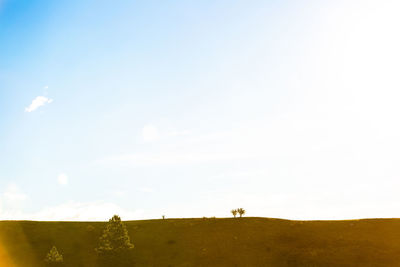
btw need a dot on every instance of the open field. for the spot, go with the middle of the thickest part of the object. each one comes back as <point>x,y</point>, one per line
<point>212,242</point>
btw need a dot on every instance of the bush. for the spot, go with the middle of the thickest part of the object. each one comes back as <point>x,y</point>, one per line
<point>115,246</point>
<point>54,258</point>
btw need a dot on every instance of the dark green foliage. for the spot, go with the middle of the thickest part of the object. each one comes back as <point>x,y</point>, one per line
<point>54,258</point>
<point>115,246</point>
<point>115,237</point>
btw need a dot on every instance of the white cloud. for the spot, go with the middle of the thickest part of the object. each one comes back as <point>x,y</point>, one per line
<point>85,211</point>
<point>179,133</point>
<point>210,148</point>
<point>118,193</point>
<point>146,190</point>
<point>38,102</point>
<point>62,179</point>
<point>150,133</point>
<point>170,158</point>
<point>13,194</point>
<point>12,200</point>
<point>74,211</point>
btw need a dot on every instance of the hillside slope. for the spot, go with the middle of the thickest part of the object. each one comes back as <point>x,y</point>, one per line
<point>212,242</point>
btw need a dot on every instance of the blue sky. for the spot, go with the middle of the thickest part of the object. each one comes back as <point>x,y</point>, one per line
<point>189,109</point>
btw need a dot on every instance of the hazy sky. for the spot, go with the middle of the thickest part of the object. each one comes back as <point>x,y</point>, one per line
<point>288,109</point>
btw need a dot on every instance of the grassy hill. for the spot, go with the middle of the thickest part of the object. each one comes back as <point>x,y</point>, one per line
<point>212,242</point>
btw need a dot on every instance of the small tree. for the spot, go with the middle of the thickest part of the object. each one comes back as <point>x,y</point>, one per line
<point>115,244</point>
<point>54,258</point>
<point>241,212</point>
<point>234,213</point>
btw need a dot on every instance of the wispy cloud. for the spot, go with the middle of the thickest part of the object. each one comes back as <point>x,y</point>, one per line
<point>62,179</point>
<point>85,211</point>
<point>14,194</point>
<point>38,102</point>
<point>211,148</point>
<point>179,133</point>
<point>118,193</point>
<point>171,158</point>
<point>150,133</point>
<point>146,190</point>
<point>12,199</point>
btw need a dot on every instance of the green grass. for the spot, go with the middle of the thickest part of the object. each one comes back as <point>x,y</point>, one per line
<point>212,242</point>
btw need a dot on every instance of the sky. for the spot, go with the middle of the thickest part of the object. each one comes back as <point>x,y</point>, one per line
<point>288,109</point>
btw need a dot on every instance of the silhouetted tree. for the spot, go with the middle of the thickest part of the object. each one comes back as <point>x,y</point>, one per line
<point>54,258</point>
<point>115,246</point>
<point>234,213</point>
<point>241,212</point>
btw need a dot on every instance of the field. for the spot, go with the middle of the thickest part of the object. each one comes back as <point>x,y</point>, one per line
<point>212,242</point>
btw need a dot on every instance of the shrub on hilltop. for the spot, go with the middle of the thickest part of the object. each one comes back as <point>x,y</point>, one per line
<point>115,245</point>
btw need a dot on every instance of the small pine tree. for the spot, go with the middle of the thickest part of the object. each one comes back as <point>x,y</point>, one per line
<point>234,213</point>
<point>241,212</point>
<point>115,243</point>
<point>54,258</point>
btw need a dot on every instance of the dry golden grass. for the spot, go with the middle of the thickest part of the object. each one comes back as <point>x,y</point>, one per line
<point>212,242</point>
